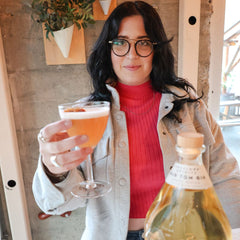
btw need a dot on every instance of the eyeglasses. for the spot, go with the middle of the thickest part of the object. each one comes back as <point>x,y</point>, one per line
<point>121,47</point>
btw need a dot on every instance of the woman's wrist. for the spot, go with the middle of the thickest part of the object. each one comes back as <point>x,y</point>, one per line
<point>55,178</point>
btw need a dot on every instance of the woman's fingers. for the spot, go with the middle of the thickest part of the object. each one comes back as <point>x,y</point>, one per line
<point>72,159</point>
<point>68,160</point>
<point>57,147</point>
<point>59,136</point>
<point>49,131</point>
<point>63,145</point>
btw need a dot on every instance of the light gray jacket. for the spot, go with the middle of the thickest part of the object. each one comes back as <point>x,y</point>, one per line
<point>107,217</point>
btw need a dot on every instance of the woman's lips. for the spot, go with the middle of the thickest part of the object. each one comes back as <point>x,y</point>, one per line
<point>132,67</point>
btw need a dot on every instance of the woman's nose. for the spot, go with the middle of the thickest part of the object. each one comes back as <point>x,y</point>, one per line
<point>132,51</point>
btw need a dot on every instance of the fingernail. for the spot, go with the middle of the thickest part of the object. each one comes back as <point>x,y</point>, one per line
<point>68,123</point>
<point>84,138</point>
<point>88,150</point>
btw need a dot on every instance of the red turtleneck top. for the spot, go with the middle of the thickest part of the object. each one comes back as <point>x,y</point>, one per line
<point>141,105</point>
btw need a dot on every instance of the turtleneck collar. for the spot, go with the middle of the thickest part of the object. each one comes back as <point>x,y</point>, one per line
<point>136,92</point>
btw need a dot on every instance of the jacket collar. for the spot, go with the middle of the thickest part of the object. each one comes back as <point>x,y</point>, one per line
<point>166,103</point>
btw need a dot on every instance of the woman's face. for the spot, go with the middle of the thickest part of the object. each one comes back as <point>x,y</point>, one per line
<point>132,69</point>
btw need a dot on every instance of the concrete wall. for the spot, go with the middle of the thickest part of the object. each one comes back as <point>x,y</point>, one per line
<point>36,90</point>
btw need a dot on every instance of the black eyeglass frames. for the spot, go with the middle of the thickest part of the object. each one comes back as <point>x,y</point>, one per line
<point>121,47</point>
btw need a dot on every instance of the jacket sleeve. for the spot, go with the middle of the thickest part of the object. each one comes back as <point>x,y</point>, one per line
<point>225,174</point>
<point>55,199</point>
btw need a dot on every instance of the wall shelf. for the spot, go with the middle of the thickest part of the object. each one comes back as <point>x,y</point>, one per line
<point>77,53</point>
<point>98,12</point>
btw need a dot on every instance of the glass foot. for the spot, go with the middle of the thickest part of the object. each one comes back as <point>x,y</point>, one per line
<point>90,190</point>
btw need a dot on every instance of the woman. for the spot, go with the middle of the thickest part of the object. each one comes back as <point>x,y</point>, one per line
<point>132,67</point>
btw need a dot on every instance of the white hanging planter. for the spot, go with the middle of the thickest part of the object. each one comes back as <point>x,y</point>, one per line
<point>105,4</point>
<point>63,38</point>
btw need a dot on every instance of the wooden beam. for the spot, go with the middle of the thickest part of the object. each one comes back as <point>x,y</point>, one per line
<point>215,71</point>
<point>188,40</point>
<point>10,161</point>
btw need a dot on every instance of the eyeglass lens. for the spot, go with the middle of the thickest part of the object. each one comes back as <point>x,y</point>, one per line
<point>121,47</point>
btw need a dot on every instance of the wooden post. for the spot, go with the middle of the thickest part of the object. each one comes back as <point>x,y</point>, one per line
<point>188,41</point>
<point>10,161</point>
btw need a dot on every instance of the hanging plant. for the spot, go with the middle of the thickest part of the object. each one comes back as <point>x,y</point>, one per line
<point>60,14</point>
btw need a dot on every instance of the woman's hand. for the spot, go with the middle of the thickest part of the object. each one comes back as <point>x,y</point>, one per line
<point>55,144</point>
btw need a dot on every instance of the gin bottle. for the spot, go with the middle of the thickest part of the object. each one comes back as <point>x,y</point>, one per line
<point>187,207</point>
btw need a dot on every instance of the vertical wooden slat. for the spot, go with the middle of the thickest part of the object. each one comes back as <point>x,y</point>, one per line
<point>188,40</point>
<point>215,71</point>
<point>10,161</point>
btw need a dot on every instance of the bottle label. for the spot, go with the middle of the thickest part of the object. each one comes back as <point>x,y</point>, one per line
<point>189,177</point>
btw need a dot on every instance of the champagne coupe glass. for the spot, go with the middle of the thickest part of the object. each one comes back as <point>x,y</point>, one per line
<point>88,118</point>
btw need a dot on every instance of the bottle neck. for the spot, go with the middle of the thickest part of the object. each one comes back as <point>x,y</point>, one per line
<point>191,156</point>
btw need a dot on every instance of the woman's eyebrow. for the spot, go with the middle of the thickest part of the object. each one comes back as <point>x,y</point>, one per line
<point>126,37</point>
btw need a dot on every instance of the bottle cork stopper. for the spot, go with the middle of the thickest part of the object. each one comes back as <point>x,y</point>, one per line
<point>190,140</point>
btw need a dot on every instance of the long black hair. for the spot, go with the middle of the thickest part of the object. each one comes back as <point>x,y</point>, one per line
<point>162,75</point>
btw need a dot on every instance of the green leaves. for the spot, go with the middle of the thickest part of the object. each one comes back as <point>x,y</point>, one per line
<point>60,14</point>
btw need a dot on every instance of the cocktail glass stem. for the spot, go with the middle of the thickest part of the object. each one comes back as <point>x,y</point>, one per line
<point>90,179</point>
